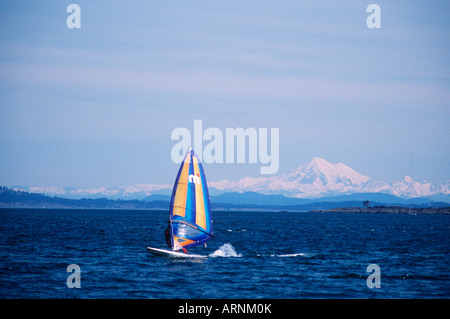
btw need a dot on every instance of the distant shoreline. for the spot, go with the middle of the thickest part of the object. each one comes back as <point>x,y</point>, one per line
<point>349,210</point>
<point>387,210</point>
<point>13,199</point>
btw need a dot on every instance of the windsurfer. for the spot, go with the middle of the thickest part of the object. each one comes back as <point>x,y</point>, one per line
<point>167,233</point>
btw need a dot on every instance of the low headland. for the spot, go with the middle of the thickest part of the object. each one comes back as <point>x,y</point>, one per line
<point>386,210</point>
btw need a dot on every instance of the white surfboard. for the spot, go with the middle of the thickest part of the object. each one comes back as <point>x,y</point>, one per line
<point>172,253</point>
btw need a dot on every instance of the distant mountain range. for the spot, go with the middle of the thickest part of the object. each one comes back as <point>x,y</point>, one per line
<point>316,179</point>
<point>319,178</point>
<point>228,201</point>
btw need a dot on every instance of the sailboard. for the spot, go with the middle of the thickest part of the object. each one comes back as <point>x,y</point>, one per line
<point>172,253</point>
<point>190,221</point>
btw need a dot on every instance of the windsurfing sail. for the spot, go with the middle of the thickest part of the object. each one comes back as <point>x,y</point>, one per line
<point>190,209</point>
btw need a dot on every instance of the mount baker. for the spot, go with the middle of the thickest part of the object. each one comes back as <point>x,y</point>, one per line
<point>319,178</point>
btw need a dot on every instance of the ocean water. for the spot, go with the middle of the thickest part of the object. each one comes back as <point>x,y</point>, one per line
<point>254,255</point>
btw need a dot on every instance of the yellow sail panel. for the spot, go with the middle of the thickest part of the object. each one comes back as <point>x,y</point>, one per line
<point>200,218</point>
<point>179,207</point>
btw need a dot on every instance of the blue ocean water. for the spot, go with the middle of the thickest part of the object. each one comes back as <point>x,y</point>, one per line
<point>254,255</point>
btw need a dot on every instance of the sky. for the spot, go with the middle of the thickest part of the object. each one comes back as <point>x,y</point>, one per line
<point>96,106</point>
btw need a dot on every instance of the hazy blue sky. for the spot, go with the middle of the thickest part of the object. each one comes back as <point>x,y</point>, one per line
<point>96,106</point>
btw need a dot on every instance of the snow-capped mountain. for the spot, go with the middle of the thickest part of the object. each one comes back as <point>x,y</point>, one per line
<point>412,188</point>
<point>317,178</point>
<point>136,191</point>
